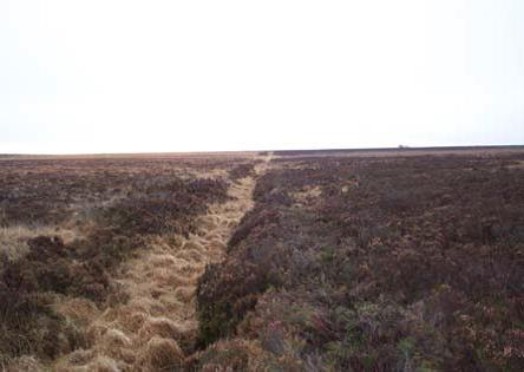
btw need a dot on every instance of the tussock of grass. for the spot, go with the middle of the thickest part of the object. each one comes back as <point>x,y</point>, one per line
<point>162,354</point>
<point>13,239</point>
<point>116,338</point>
<point>104,364</point>
<point>79,310</point>
<point>133,320</point>
<point>23,363</point>
<point>161,326</point>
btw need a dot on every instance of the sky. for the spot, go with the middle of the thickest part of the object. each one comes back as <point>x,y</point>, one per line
<point>153,76</point>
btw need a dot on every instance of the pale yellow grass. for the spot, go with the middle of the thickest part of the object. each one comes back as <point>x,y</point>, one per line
<point>519,164</point>
<point>305,195</point>
<point>13,239</point>
<point>24,363</point>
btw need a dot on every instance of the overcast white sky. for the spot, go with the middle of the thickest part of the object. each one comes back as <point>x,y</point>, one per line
<point>129,76</point>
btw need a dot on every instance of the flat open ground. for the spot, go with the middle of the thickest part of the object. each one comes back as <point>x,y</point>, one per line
<point>327,260</point>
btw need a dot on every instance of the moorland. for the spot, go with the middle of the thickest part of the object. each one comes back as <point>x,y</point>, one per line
<point>373,260</point>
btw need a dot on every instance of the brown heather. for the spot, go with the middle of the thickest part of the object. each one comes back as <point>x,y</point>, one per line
<point>329,261</point>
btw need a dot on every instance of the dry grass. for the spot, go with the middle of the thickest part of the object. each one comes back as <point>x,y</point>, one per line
<point>24,363</point>
<point>156,327</point>
<point>519,164</point>
<point>162,354</point>
<point>297,263</point>
<point>13,239</point>
<point>306,196</point>
<point>137,233</point>
<point>79,310</point>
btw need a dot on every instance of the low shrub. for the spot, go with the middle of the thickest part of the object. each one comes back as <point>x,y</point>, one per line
<point>396,264</point>
<point>224,297</point>
<point>241,171</point>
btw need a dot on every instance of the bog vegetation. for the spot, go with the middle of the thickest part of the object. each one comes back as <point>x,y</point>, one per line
<point>323,262</point>
<point>413,263</point>
<point>69,225</point>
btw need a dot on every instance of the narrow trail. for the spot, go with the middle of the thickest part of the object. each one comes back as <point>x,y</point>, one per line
<point>151,329</point>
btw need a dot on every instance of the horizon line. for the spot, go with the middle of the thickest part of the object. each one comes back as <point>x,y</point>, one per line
<point>405,148</point>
